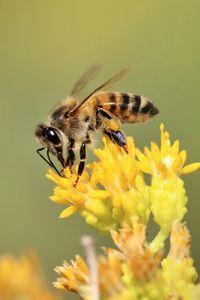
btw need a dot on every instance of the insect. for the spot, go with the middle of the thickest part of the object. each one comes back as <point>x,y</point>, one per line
<point>71,123</point>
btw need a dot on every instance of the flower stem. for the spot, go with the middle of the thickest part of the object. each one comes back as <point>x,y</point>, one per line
<point>88,244</point>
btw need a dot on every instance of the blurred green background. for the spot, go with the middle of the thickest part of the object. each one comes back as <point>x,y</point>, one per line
<point>44,47</point>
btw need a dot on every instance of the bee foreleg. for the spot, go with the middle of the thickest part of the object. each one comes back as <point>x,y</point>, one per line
<point>70,159</point>
<point>82,161</point>
<point>71,156</point>
<point>61,159</point>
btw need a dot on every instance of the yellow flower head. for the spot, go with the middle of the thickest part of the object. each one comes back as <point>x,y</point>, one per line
<point>165,161</point>
<point>110,273</point>
<point>180,241</point>
<point>178,271</point>
<point>133,271</point>
<point>74,277</point>
<point>20,278</point>
<point>114,193</point>
<point>112,196</point>
<point>131,241</point>
<point>168,204</point>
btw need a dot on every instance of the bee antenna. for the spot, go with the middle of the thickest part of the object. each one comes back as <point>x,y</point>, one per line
<point>49,161</point>
<point>53,166</point>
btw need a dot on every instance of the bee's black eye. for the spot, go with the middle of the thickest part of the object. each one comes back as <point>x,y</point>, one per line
<point>52,135</point>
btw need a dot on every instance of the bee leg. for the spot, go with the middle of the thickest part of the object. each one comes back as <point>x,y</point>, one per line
<point>71,159</point>
<point>106,120</point>
<point>61,159</point>
<point>82,161</point>
<point>71,156</point>
<point>118,138</point>
<point>111,127</point>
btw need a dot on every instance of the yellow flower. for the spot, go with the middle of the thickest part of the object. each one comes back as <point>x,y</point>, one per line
<point>166,161</point>
<point>168,204</point>
<point>74,277</point>
<point>112,196</point>
<point>131,241</point>
<point>67,193</point>
<point>178,270</point>
<point>110,273</point>
<point>133,271</point>
<point>92,203</point>
<point>20,278</point>
<point>115,192</point>
<point>105,201</point>
<point>167,194</point>
<point>129,195</point>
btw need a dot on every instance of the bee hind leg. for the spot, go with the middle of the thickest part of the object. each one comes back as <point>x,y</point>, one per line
<point>118,138</point>
<point>110,126</point>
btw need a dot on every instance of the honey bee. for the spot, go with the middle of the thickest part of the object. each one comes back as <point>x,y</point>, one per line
<point>71,123</point>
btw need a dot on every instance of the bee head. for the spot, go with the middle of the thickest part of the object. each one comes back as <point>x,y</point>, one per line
<point>49,137</point>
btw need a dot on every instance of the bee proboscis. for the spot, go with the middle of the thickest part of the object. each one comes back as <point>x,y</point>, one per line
<point>71,123</point>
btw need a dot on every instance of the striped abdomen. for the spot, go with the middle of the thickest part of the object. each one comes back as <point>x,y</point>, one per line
<point>129,108</point>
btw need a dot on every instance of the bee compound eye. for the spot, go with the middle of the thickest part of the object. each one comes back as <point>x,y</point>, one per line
<point>52,135</point>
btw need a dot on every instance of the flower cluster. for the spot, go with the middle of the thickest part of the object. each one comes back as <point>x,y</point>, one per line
<point>106,202</point>
<point>114,197</point>
<point>134,272</point>
<point>21,278</point>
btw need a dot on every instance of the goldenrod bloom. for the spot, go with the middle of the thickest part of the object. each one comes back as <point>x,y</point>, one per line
<point>74,277</point>
<point>91,202</point>
<point>119,174</point>
<point>20,278</point>
<point>168,204</point>
<point>131,241</point>
<point>178,270</point>
<point>167,192</point>
<point>114,197</point>
<point>110,274</point>
<point>115,192</point>
<point>123,193</point>
<point>165,161</point>
<point>134,272</point>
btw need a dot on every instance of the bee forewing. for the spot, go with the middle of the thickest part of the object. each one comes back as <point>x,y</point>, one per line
<point>89,75</point>
<point>103,86</point>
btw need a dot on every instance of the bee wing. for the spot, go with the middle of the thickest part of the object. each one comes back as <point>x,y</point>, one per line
<point>103,86</point>
<point>90,74</point>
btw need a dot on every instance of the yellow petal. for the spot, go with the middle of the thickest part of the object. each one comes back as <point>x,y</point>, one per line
<point>67,212</point>
<point>154,148</point>
<point>145,168</point>
<point>58,199</point>
<point>190,168</point>
<point>183,155</point>
<point>99,194</point>
<point>175,148</point>
<point>178,162</point>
